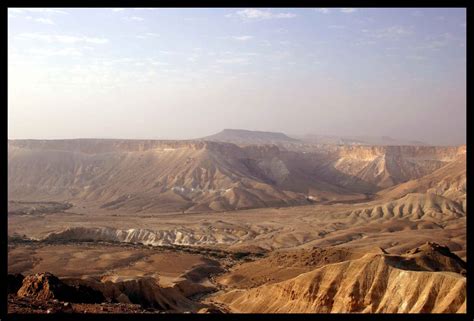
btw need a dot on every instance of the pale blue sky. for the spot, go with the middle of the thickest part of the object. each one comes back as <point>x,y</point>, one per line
<point>187,73</point>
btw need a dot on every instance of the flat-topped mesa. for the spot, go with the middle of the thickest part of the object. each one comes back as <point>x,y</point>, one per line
<point>248,137</point>
<point>253,133</point>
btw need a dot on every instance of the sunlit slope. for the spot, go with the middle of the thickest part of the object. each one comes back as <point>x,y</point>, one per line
<point>374,283</point>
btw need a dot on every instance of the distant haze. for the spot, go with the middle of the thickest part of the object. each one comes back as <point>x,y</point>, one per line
<point>189,73</point>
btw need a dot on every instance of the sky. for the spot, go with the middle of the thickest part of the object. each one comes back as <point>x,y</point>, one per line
<point>156,73</point>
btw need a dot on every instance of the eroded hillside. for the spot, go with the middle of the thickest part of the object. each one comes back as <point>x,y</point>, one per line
<point>374,282</point>
<point>200,176</point>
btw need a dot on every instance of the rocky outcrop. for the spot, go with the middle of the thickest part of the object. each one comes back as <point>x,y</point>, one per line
<point>432,256</point>
<point>46,286</point>
<point>144,291</point>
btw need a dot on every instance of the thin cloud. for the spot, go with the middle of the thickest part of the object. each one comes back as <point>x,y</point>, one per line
<point>148,35</point>
<point>280,55</point>
<point>157,62</point>
<point>168,52</point>
<point>45,21</point>
<point>66,39</point>
<point>365,42</point>
<point>328,10</point>
<point>37,10</point>
<point>336,27</point>
<point>67,52</point>
<point>257,14</point>
<point>110,62</point>
<point>249,54</point>
<point>322,10</point>
<point>192,58</point>
<point>242,38</point>
<point>416,13</point>
<point>123,9</point>
<point>135,18</point>
<point>417,57</point>
<point>393,32</point>
<point>348,10</point>
<point>436,43</point>
<point>236,60</point>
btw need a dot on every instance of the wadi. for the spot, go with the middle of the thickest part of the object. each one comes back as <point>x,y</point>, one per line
<point>236,222</point>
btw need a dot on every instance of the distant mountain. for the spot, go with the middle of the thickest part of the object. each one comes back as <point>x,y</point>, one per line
<point>359,140</point>
<point>246,137</point>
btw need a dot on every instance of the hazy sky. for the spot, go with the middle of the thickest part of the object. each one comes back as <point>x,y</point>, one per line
<point>188,73</point>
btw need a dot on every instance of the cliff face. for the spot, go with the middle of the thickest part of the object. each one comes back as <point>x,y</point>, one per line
<point>368,169</point>
<point>448,181</point>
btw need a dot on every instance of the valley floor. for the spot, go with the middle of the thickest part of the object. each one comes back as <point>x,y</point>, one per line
<point>236,261</point>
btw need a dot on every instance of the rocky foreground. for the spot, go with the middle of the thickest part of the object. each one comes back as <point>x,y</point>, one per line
<point>426,279</point>
<point>45,293</point>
